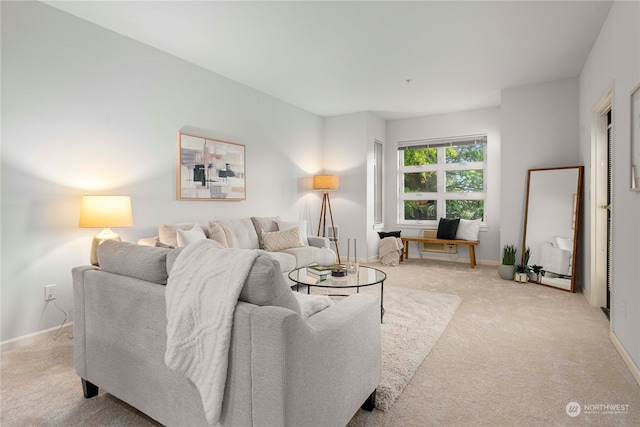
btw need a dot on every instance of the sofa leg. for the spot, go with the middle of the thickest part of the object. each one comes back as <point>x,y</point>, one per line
<point>90,390</point>
<point>370,403</point>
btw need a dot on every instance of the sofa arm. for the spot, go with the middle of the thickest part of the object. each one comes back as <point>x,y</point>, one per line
<point>79,324</point>
<point>318,242</point>
<point>319,371</point>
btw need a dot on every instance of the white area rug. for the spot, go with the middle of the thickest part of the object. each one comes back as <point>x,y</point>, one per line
<point>413,322</point>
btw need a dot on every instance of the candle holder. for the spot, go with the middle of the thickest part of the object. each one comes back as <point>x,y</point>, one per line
<point>352,266</point>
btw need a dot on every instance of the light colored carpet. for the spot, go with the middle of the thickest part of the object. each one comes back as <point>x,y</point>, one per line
<point>512,355</point>
<point>413,322</point>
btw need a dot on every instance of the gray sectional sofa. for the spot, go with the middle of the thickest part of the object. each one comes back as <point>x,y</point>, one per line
<point>284,370</point>
<point>246,233</point>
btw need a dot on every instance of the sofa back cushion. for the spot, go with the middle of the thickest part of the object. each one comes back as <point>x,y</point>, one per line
<point>141,262</point>
<point>264,223</point>
<point>171,258</point>
<point>265,285</point>
<point>244,234</point>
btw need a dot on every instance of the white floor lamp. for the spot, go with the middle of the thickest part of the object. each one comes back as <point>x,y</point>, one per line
<point>327,183</point>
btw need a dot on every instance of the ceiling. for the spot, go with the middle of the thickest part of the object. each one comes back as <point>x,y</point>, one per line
<point>399,59</point>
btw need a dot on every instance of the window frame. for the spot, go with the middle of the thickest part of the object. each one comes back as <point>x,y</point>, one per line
<point>441,168</point>
<point>378,184</point>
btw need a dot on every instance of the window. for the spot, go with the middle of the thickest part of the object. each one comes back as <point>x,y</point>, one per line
<point>377,182</point>
<point>442,178</point>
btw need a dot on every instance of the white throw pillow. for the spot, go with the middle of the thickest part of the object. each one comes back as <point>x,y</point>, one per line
<point>302,225</point>
<point>168,233</point>
<point>279,240</point>
<point>184,237</point>
<point>468,229</point>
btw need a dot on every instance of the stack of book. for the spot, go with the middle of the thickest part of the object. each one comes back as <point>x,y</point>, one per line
<point>318,272</point>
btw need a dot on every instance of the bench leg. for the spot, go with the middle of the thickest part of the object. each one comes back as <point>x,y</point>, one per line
<point>472,256</point>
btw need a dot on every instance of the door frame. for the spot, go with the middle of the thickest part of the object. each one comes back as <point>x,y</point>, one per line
<point>599,176</point>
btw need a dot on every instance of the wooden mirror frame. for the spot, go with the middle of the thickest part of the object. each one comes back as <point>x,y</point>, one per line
<point>635,139</point>
<point>574,219</point>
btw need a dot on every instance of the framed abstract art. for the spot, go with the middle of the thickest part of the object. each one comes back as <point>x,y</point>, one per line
<point>210,169</point>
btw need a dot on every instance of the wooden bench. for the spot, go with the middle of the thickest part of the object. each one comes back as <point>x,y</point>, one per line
<point>471,243</point>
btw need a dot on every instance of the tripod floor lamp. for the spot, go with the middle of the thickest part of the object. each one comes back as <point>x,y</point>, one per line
<point>327,183</point>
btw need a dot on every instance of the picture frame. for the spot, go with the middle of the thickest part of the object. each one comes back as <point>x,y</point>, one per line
<point>635,139</point>
<point>210,169</point>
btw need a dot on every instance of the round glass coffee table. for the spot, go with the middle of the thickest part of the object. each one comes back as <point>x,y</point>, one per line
<point>366,276</point>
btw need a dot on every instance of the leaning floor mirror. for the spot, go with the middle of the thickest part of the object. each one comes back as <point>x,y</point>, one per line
<point>551,224</point>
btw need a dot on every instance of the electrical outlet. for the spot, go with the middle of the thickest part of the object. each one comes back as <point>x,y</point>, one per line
<point>50,292</point>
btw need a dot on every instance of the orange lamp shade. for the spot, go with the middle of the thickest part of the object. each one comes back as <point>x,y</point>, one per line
<point>106,211</point>
<point>326,182</point>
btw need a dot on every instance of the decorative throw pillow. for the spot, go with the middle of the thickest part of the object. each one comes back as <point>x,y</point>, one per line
<point>168,233</point>
<point>280,240</point>
<point>447,228</point>
<point>219,234</point>
<point>264,223</point>
<point>384,234</point>
<point>468,229</point>
<point>302,225</point>
<point>184,237</point>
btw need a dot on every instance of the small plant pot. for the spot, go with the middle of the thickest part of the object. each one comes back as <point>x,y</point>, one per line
<point>533,277</point>
<point>505,271</point>
<point>520,277</point>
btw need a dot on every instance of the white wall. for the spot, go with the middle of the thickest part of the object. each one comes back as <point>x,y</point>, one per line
<point>539,130</point>
<point>87,111</point>
<point>484,121</point>
<point>614,62</point>
<point>346,155</point>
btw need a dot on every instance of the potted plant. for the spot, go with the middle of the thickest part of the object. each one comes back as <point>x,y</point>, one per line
<point>521,273</point>
<point>505,270</point>
<point>536,273</point>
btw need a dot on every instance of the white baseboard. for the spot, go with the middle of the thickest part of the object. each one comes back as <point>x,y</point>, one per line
<point>47,334</point>
<point>625,356</point>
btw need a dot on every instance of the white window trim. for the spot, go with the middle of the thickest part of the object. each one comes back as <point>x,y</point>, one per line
<point>440,168</point>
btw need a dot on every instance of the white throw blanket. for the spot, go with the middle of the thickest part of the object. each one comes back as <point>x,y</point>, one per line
<point>201,297</point>
<point>312,304</point>
<point>390,250</point>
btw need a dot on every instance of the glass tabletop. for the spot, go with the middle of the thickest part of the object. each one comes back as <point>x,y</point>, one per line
<point>366,276</point>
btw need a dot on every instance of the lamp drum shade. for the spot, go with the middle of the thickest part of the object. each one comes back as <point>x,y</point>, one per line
<point>326,182</point>
<point>105,212</point>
